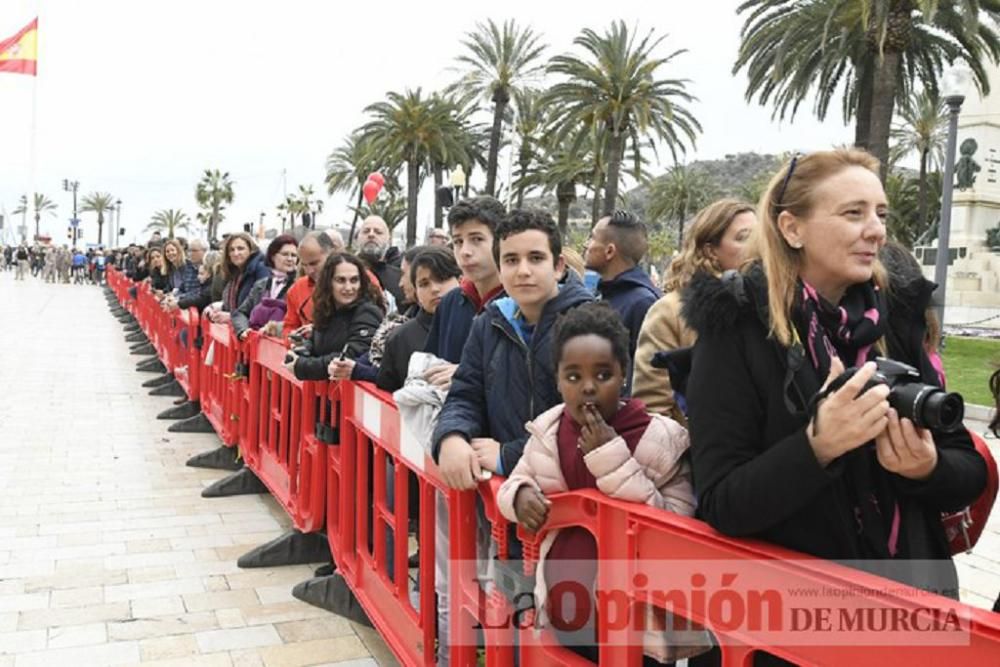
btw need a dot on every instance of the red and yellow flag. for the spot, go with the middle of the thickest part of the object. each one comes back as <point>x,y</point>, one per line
<point>19,53</point>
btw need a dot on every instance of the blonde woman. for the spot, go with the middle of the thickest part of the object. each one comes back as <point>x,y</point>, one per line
<point>716,242</point>
<point>839,475</point>
<point>182,275</point>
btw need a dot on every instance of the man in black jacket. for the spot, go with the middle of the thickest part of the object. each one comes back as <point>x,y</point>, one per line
<point>374,248</point>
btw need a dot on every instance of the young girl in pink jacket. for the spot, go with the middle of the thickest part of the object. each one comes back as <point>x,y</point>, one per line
<point>598,440</point>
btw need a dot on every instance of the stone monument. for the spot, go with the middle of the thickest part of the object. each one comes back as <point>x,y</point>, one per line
<point>973,289</point>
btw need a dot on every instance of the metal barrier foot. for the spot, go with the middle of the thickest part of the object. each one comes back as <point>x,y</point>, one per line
<point>200,424</point>
<point>292,548</point>
<point>153,365</point>
<point>145,349</point>
<point>156,382</point>
<point>241,483</point>
<point>136,337</point>
<point>172,388</point>
<point>127,318</point>
<point>132,328</point>
<point>136,345</point>
<point>185,410</point>
<point>333,594</point>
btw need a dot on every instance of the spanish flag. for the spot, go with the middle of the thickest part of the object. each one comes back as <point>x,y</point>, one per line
<point>19,53</point>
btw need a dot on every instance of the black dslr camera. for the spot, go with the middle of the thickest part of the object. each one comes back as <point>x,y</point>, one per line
<point>925,405</point>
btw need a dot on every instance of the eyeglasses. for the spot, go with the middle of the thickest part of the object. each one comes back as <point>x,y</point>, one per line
<point>784,183</point>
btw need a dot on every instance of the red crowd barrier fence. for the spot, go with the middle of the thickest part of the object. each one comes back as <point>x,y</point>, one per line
<point>337,456</point>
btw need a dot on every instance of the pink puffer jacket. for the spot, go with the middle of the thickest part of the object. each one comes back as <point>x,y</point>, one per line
<point>655,475</point>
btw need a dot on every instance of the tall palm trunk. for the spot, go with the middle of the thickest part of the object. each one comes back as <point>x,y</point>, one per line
<point>680,228</point>
<point>883,99</point>
<point>595,206</point>
<point>100,228</point>
<point>862,119</point>
<point>565,194</point>
<point>38,222</point>
<point>357,214</point>
<point>616,143</point>
<point>500,99</point>
<point>412,185</point>
<point>922,192</point>
<point>523,162</point>
<point>438,182</point>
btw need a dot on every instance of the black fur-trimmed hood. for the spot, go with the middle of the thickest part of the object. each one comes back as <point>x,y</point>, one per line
<point>711,304</point>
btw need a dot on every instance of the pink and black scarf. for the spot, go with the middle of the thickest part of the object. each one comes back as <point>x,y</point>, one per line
<point>849,331</point>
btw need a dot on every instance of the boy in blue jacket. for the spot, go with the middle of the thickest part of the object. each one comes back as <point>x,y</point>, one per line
<point>506,376</point>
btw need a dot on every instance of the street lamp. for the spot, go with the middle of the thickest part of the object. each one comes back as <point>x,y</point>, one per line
<point>73,186</point>
<point>118,221</point>
<point>954,87</point>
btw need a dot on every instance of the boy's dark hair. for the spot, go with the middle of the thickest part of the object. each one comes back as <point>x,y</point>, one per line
<point>630,235</point>
<point>526,219</point>
<point>599,319</point>
<point>439,261</point>
<point>410,254</point>
<point>484,208</point>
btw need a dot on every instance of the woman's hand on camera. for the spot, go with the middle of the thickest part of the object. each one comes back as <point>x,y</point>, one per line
<point>846,420</point>
<point>905,449</point>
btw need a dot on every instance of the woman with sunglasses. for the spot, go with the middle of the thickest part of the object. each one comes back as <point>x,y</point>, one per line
<point>844,477</point>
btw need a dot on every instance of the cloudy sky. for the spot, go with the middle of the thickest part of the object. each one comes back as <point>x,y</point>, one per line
<point>137,98</point>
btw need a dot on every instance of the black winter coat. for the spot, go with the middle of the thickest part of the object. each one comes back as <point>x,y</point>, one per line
<point>388,273</point>
<point>403,341</point>
<point>501,382</point>
<point>349,329</point>
<point>755,473</point>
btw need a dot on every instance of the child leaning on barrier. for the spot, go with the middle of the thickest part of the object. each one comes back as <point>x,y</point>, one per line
<point>595,439</point>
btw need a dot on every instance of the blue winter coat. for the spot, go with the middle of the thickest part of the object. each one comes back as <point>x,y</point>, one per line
<point>451,325</point>
<point>502,382</point>
<point>255,269</point>
<point>631,293</point>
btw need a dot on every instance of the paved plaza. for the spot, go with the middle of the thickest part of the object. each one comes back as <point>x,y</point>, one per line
<point>108,553</point>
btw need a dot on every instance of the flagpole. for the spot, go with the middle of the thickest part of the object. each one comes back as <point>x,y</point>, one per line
<point>33,140</point>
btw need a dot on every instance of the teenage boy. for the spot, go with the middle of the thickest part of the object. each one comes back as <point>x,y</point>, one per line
<point>507,376</point>
<point>473,223</point>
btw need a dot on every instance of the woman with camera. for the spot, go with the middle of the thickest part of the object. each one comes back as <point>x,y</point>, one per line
<point>845,477</point>
<point>346,312</point>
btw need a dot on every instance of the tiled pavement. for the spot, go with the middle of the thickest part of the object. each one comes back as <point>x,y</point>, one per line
<point>108,554</point>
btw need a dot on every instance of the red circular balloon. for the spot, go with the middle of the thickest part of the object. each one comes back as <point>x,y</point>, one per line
<point>370,190</point>
<point>377,177</point>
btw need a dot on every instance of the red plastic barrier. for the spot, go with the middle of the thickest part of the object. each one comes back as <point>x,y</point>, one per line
<point>325,451</point>
<point>278,438</point>
<point>219,381</point>
<point>187,369</point>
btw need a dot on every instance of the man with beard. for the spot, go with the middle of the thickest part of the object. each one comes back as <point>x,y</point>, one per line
<point>374,248</point>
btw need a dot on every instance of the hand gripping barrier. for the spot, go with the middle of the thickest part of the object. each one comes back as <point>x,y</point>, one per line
<point>343,444</point>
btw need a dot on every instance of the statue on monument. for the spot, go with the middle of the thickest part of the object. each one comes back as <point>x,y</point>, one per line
<point>967,168</point>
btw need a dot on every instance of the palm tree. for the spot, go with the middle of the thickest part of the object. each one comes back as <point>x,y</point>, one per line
<point>348,166</point>
<point>99,203</point>
<point>500,61</point>
<point>614,90</point>
<point>307,206</point>
<point>922,129</point>
<point>169,220</point>
<point>678,195</point>
<point>213,192</point>
<point>530,128</point>
<point>391,208</point>
<point>22,210</point>
<point>41,204</point>
<point>874,50</point>
<point>411,129</point>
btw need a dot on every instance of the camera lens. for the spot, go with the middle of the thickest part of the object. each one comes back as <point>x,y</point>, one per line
<point>928,406</point>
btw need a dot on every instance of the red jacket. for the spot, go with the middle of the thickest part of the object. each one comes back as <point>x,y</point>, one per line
<point>300,305</point>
